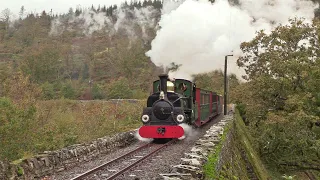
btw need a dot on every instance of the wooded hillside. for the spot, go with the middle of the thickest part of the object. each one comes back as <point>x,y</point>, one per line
<point>83,53</point>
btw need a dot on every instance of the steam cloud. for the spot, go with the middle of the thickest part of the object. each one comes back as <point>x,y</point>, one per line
<point>138,137</point>
<point>189,132</point>
<point>198,34</point>
<point>89,22</point>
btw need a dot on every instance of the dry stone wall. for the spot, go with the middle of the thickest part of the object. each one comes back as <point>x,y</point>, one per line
<point>190,166</point>
<point>50,162</point>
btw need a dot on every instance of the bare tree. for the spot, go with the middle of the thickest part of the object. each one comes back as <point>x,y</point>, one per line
<point>5,17</point>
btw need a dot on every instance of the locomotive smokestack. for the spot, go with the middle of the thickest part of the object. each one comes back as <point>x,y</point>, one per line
<point>163,82</point>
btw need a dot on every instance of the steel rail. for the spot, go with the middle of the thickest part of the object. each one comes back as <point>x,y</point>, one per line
<point>109,162</point>
<point>138,161</point>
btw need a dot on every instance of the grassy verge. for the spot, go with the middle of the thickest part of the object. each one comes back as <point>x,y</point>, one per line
<point>54,124</point>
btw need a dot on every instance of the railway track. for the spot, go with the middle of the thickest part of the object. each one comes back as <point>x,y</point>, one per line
<point>118,166</point>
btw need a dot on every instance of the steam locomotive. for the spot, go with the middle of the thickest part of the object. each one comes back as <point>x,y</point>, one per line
<point>176,102</point>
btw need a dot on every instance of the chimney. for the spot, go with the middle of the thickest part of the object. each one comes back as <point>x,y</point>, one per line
<point>163,82</point>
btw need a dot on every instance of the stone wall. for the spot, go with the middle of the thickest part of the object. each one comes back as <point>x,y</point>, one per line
<point>54,161</point>
<point>232,160</point>
<point>191,165</point>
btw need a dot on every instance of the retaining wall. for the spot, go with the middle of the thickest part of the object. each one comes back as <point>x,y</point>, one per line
<point>190,166</point>
<point>50,162</point>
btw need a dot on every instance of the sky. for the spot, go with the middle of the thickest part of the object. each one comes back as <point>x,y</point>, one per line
<point>57,6</point>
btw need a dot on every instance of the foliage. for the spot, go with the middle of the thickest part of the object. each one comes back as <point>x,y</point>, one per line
<point>119,89</point>
<point>47,91</point>
<point>17,112</point>
<point>68,91</point>
<point>66,122</point>
<point>42,63</point>
<point>247,143</point>
<point>214,80</point>
<point>15,123</point>
<point>54,124</point>
<point>282,95</point>
<point>288,177</point>
<point>21,90</point>
<point>97,92</point>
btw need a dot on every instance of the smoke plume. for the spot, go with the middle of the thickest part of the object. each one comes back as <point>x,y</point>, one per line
<point>198,34</point>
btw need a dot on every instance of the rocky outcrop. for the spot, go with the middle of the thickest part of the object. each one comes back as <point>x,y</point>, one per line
<point>191,165</point>
<point>50,162</point>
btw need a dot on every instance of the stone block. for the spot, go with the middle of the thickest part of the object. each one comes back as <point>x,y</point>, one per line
<point>192,162</point>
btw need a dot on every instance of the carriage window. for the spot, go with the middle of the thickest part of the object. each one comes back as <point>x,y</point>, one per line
<point>202,98</point>
<point>214,98</point>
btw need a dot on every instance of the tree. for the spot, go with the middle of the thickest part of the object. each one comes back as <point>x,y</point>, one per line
<point>283,69</point>
<point>119,89</point>
<point>43,64</point>
<point>214,80</point>
<point>70,13</point>
<point>78,11</point>
<point>21,12</point>
<point>97,92</point>
<point>68,91</point>
<point>5,17</point>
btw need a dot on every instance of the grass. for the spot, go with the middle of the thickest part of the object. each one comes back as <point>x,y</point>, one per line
<point>60,123</point>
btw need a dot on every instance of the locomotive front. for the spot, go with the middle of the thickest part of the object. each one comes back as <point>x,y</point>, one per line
<point>163,114</point>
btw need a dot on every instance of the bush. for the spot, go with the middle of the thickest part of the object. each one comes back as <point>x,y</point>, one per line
<point>15,139</point>
<point>242,109</point>
<point>97,92</point>
<point>47,91</point>
<point>68,91</point>
<point>119,89</point>
<point>139,94</point>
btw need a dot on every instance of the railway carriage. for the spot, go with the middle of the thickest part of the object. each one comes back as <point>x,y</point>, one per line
<point>177,102</point>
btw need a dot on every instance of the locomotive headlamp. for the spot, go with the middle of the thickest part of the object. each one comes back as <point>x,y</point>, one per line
<point>145,118</point>
<point>161,95</point>
<point>180,118</point>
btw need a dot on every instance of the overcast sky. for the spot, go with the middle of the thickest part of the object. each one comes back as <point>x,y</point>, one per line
<point>57,6</point>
